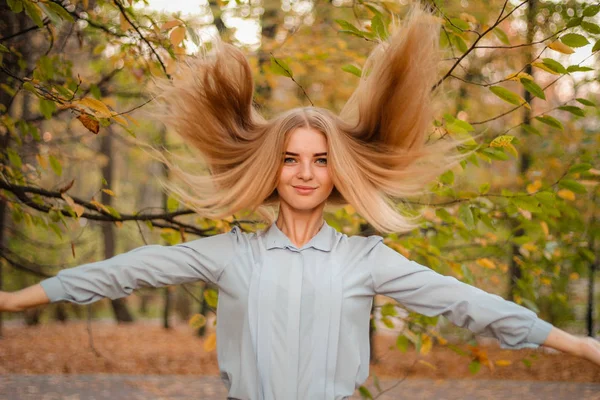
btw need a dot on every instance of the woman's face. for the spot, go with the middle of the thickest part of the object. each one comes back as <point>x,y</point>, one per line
<point>304,182</point>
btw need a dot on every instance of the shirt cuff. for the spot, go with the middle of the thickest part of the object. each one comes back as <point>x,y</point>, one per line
<point>539,332</point>
<point>54,289</point>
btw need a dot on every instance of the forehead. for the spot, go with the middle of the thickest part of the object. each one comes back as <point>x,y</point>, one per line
<point>306,140</point>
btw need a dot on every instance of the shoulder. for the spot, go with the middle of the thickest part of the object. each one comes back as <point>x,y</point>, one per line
<point>358,246</point>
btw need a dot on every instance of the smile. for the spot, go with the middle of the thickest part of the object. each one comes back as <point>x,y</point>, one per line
<point>304,189</point>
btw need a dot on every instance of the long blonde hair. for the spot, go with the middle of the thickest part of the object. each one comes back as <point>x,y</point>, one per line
<point>378,153</point>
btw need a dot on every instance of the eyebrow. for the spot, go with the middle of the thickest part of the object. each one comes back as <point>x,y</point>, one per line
<point>314,155</point>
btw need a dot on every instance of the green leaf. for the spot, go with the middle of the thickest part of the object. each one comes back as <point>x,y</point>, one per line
<point>444,215</point>
<point>484,188</point>
<point>579,168</point>
<point>528,203</point>
<point>474,367</point>
<point>34,12</point>
<point>172,204</point>
<point>466,216</point>
<point>460,24</point>
<point>459,43</point>
<point>211,297</point>
<point>533,88</point>
<point>590,27</point>
<point>495,153</point>
<point>551,121</point>
<point>16,6</point>
<point>573,110</point>
<point>364,393</point>
<point>47,108</point>
<point>112,211</point>
<point>546,198</point>
<point>577,68</point>
<point>280,67</point>
<point>574,39</point>
<point>501,35</point>
<point>574,22</point>
<point>64,14</point>
<point>590,11</point>
<point>388,310</point>
<point>347,26</point>
<point>402,343</point>
<point>586,102</point>
<point>447,177</point>
<point>596,46</point>
<point>587,254</point>
<point>530,129</point>
<point>14,158</point>
<point>56,229</point>
<point>507,95</point>
<point>352,69</point>
<point>378,26</point>
<point>554,65</point>
<point>572,185</point>
<point>55,164</point>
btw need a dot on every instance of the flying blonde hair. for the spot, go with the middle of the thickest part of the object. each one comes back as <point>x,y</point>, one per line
<point>378,153</point>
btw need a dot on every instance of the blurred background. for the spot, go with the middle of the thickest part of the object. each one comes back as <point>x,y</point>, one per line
<point>519,218</point>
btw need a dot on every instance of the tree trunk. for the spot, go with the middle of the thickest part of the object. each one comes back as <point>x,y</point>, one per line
<point>525,158</point>
<point>119,306</point>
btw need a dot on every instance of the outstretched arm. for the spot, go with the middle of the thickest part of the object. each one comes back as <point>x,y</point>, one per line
<point>23,299</point>
<point>425,291</point>
<point>585,347</point>
<point>154,266</point>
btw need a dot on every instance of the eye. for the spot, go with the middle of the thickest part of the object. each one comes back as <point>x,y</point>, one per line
<point>322,161</point>
<point>285,160</point>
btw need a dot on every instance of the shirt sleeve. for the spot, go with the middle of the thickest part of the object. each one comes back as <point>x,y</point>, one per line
<point>153,265</point>
<point>426,292</point>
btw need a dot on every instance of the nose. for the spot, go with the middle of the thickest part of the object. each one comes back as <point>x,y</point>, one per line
<point>305,171</point>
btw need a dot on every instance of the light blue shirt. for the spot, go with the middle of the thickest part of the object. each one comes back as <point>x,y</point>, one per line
<point>293,323</point>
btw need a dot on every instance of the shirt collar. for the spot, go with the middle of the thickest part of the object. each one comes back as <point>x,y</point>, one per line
<point>323,240</point>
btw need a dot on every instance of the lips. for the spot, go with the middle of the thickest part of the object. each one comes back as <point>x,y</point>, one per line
<point>304,190</point>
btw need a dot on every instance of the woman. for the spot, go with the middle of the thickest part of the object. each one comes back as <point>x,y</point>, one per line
<point>295,299</point>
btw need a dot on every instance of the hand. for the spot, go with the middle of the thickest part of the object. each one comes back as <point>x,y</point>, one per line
<point>589,348</point>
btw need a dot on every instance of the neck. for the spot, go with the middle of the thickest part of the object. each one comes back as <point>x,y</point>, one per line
<point>300,228</point>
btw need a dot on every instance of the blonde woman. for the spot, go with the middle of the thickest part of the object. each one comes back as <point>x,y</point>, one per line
<point>295,299</point>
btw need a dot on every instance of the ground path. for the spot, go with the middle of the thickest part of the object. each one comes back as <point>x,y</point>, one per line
<point>179,387</point>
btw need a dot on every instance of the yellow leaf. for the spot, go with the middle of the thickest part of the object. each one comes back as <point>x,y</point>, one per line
<point>516,76</point>
<point>42,161</point>
<point>503,363</point>
<point>125,25</point>
<point>177,36</point>
<point>534,187</point>
<point>561,47</point>
<point>486,263</point>
<point>545,228</point>
<point>133,120</point>
<point>349,209</point>
<point>79,210</point>
<point>109,192</point>
<point>426,344</point>
<point>68,199</point>
<point>545,281</point>
<point>427,364</point>
<point>545,68</point>
<point>210,343</point>
<point>170,24</point>
<point>566,194</point>
<point>96,105</point>
<point>530,247</point>
<point>120,120</point>
<point>573,276</point>
<point>197,321</point>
